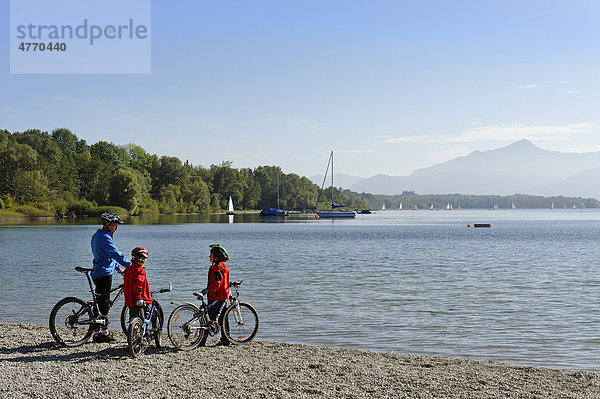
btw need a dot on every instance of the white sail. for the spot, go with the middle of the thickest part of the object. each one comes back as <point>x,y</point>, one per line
<point>431,207</point>
<point>513,206</point>
<point>230,205</point>
<point>400,207</point>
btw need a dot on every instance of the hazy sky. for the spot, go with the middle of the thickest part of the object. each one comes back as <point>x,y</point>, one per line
<point>391,86</point>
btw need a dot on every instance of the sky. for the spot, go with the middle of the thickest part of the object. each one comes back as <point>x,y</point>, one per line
<point>390,86</point>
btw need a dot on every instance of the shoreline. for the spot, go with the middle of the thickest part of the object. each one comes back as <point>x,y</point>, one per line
<point>33,366</point>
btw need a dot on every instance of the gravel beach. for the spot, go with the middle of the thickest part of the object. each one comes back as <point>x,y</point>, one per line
<point>32,366</point>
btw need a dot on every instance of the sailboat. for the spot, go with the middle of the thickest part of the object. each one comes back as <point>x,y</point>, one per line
<point>383,207</point>
<point>431,207</point>
<point>230,207</point>
<point>513,206</point>
<point>333,213</point>
<point>274,211</point>
<point>400,207</point>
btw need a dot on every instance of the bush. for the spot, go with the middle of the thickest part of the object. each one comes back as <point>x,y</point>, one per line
<point>114,209</point>
<point>32,211</point>
<point>81,207</point>
<point>1,204</point>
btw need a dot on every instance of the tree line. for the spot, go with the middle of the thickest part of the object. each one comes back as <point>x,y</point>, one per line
<point>45,173</point>
<point>60,174</point>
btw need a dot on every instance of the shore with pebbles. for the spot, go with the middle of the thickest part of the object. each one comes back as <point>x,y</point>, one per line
<point>32,366</point>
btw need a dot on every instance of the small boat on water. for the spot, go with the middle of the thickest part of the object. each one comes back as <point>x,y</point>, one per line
<point>334,212</point>
<point>274,211</point>
<point>230,207</point>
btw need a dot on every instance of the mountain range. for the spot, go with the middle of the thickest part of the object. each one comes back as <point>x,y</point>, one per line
<point>520,167</point>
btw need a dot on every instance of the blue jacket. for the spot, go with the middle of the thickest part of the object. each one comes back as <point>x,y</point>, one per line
<point>106,254</point>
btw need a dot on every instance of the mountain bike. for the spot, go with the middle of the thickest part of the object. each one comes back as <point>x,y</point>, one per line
<point>143,331</point>
<point>73,320</point>
<point>189,324</point>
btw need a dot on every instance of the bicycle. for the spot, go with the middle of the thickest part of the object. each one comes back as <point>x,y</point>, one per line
<point>142,331</point>
<point>188,324</point>
<point>73,321</point>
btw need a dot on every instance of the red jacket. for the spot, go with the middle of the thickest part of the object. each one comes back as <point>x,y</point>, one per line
<point>135,285</point>
<point>218,282</point>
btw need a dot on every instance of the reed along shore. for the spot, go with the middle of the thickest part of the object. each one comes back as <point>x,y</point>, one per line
<point>32,366</point>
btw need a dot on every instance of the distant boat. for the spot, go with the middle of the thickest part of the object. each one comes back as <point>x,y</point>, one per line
<point>274,211</point>
<point>513,206</point>
<point>383,207</point>
<point>333,213</point>
<point>416,206</point>
<point>400,207</point>
<point>431,207</point>
<point>574,207</point>
<point>230,206</point>
<point>496,207</point>
<point>448,207</point>
<point>552,206</point>
<point>365,212</point>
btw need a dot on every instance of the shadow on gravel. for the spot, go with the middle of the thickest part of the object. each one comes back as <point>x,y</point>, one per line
<point>50,352</point>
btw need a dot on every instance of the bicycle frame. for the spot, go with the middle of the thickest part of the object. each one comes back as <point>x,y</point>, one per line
<point>95,296</point>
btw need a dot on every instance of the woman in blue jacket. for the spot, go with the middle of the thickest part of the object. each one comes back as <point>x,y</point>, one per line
<point>107,258</point>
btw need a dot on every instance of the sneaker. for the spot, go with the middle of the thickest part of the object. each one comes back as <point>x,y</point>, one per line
<point>101,337</point>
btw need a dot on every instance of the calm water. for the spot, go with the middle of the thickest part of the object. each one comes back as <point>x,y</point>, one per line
<point>525,291</point>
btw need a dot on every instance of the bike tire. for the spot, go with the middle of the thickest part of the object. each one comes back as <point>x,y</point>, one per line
<point>65,322</point>
<point>135,337</point>
<point>158,319</point>
<point>240,333</point>
<point>186,327</point>
<point>125,319</point>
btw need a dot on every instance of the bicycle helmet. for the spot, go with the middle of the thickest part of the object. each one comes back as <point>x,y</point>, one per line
<point>139,252</point>
<point>109,217</point>
<point>219,251</point>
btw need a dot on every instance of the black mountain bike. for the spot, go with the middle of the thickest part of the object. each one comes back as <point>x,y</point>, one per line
<point>73,320</point>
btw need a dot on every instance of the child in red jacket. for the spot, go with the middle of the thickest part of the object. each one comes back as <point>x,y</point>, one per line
<point>135,284</point>
<point>218,287</point>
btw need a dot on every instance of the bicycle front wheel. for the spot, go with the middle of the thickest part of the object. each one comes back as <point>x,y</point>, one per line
<point>135,337</point>
<point>158,318</point>
<point>240,323</point>
<point>71,322</point>
<point>186,327</point>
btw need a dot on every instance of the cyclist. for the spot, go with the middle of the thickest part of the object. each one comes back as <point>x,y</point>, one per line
<point>218,286</point>
<point>136,287</point>
<point>106,258</point>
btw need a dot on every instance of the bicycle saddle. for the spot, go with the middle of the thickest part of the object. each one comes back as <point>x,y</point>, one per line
<point>83,269</point>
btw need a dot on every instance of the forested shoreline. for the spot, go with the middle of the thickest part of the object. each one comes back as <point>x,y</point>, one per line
<point>45,174</point>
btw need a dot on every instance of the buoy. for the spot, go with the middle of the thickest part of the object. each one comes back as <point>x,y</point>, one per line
<point>316,217</point>
<point>468,225</point>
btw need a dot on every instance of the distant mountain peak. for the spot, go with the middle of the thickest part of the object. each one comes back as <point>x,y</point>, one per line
<point>523,144</point>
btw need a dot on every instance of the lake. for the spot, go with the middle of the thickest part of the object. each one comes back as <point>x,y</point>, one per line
<point>525,291</point>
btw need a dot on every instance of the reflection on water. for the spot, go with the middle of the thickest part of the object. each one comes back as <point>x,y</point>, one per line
<point>524,291</point>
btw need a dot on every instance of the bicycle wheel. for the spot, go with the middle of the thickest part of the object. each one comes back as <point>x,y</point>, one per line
<point>158,319</point>
<point>135,337</point>
<point>186,327</point>
<point>240,326</point>
<point>125,319</point>
<point>70,322</point>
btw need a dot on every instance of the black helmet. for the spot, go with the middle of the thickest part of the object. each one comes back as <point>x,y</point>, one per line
<point>111,217</point>
<point>219,251</point>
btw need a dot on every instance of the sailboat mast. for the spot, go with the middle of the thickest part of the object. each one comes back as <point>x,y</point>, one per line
<point>277,189</point>
<point>332,180</point>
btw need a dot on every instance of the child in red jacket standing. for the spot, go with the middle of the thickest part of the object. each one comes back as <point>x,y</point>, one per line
<point>135,284</point>
<point>218,286</point>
